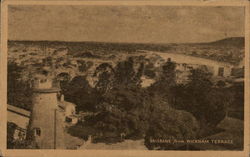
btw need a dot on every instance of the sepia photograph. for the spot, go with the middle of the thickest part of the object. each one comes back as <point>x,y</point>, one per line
<point>125,77</point>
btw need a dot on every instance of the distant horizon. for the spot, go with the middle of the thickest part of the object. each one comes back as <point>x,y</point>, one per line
<point>125,24</point>
<point>127,42</point>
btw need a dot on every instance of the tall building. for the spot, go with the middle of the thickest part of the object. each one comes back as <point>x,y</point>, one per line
<point>46,128</point>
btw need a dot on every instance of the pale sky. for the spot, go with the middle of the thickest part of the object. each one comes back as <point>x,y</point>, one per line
<point>142,24</point>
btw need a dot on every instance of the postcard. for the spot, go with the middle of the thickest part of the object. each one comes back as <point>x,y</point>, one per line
<point>124,78</point>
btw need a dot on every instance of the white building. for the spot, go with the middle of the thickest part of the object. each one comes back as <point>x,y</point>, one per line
<point>69,110</point>
<point>47,118</point>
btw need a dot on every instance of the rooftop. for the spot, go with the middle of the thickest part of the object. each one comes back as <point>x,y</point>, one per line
<point>18,110</point>
<point>63,104</point>
<point>18,116</point>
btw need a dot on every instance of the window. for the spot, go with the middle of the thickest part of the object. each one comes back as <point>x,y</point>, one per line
<point>37,132</point>
<point>68,119</point>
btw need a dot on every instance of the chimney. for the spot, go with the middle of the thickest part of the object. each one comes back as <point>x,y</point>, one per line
<point>62,98</point>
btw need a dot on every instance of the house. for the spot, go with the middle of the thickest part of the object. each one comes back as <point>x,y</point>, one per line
<point>69,110</point>
<point>20,118</point>
<point>146,82</point>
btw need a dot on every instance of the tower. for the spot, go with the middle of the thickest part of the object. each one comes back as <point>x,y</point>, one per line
<point>46,125</point>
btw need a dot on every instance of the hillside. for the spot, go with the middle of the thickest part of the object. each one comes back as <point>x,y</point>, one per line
<point>234,41</point>
<point>229,50</point>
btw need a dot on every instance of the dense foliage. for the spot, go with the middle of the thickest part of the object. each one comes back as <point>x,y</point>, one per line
<point>19,90</point>
<point>170,124</point>
<point>122,109</point>
<point>129,110</point>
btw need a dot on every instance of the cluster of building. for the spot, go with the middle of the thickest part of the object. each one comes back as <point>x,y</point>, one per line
<point>185,63</point>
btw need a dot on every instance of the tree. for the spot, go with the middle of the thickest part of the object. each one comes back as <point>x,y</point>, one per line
<point>200,80</point>
<point>82,94</point>
<point>18,88</point>
<point>126,75</point>
<point>124,72</point>
<point>167,80</point>
<point>123,110</point>
<point>170,124</point>
<point>199,97</point>
<point>126,98</point>
<point>64,79</point>
<point>84,66</point>
<point>105,74</point>
<point>237,105</point>
<point>169,73</point>
<point>218,102</point>
<point>109,124</point>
